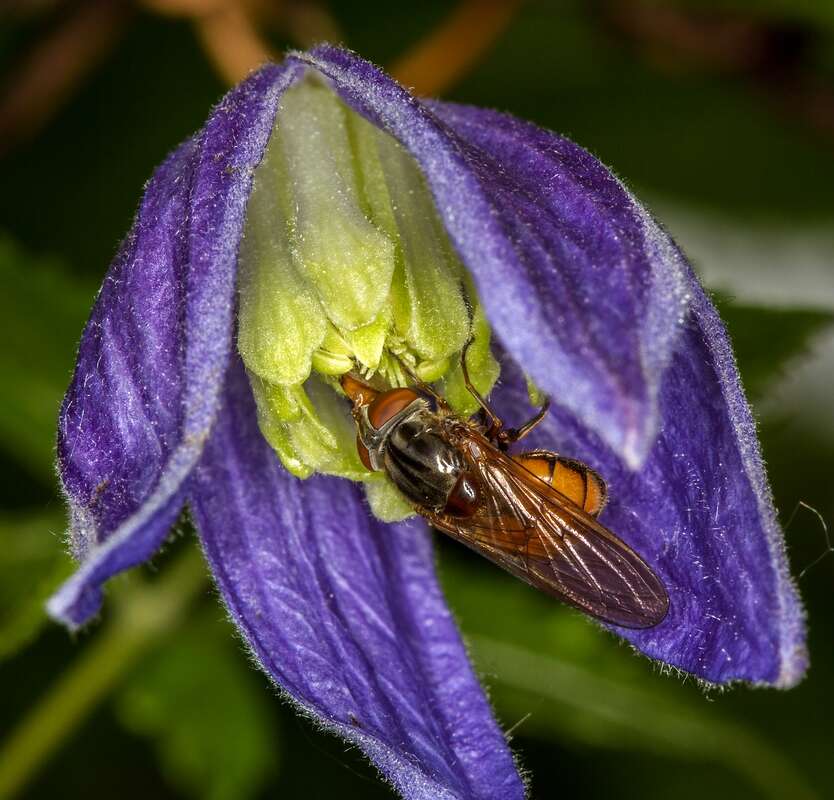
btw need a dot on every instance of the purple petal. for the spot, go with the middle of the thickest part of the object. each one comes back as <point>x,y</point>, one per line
<point>153,355</point>
<point>700,508</point>
<point>587,292</point>
<point>345,614</point>
<point>558,249</point>
<point>700,513</point>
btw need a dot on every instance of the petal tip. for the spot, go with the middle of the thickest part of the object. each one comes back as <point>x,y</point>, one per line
<point>794,669</point>
<point>74,604</point>
<point>795,658</point>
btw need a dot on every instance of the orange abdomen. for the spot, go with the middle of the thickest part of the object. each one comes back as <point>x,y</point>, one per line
<point>572,478</point>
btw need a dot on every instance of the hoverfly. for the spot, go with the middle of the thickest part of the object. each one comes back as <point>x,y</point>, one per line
<point>534,514</point>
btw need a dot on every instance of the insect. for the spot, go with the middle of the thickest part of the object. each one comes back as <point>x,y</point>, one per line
<point>534,514</point>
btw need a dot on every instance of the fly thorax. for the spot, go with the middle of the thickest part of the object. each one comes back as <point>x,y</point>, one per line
<point>420,461</point>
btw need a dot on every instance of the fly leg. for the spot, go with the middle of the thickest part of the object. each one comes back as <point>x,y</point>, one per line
<point>511,435</point>
<point>424,387</point>
<point>496,431</point>
<point>493,424</point>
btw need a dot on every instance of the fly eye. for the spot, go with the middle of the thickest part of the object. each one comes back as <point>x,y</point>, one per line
<point>364,456</point>
<point>388,404</point>
<point>464,498</point>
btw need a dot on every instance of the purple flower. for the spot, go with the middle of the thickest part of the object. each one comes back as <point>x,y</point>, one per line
<point>584,293</point>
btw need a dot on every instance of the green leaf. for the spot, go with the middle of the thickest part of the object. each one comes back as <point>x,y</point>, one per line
<point>773,11</point>
<point>578,701</point>
<point>42,312</point>
<point>32,564</point>
<point>767,340</point>
<point>202,706</point>
<point>556,675</point>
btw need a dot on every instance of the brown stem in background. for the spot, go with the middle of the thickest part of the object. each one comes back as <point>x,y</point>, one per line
<point>54,68</point>
<point>232,42</point>
<point>227,31</point>
<point>441,59</point>
<point>230,30</point>
<point>773,57</point>
<point>184,8</point>
<point>678,40</point>
<point>308,22</point>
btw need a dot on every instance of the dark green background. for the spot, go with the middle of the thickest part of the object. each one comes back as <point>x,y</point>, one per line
<point>733,144</point>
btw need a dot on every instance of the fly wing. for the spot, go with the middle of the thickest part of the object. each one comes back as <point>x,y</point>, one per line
<point>540,536</point>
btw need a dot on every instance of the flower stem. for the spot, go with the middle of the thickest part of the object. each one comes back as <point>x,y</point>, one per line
<point>232,41</point>
<point>450,51</point>
<point>145,613</point>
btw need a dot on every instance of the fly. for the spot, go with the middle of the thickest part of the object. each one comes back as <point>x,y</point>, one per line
<point>534,514</point>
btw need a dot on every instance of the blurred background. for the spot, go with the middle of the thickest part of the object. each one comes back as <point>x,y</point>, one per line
<point>719,115</point>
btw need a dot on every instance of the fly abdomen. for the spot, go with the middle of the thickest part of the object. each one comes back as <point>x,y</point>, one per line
<point>572,478</point>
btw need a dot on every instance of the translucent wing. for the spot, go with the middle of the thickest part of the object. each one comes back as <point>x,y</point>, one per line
<point>536,533</point>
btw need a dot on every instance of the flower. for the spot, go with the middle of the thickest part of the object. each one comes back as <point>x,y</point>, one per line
<point>585,294</point>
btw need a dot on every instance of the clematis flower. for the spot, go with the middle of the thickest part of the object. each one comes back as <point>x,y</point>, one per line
<point>326,220</point>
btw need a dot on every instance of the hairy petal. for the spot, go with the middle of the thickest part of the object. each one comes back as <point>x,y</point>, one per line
<point>591,297</point>
<point>701,514</point>
<point>584,291</point>
<point>345,614</point>
<point>556,246</point>
<point>142,402</point>
<point>153,355</point>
